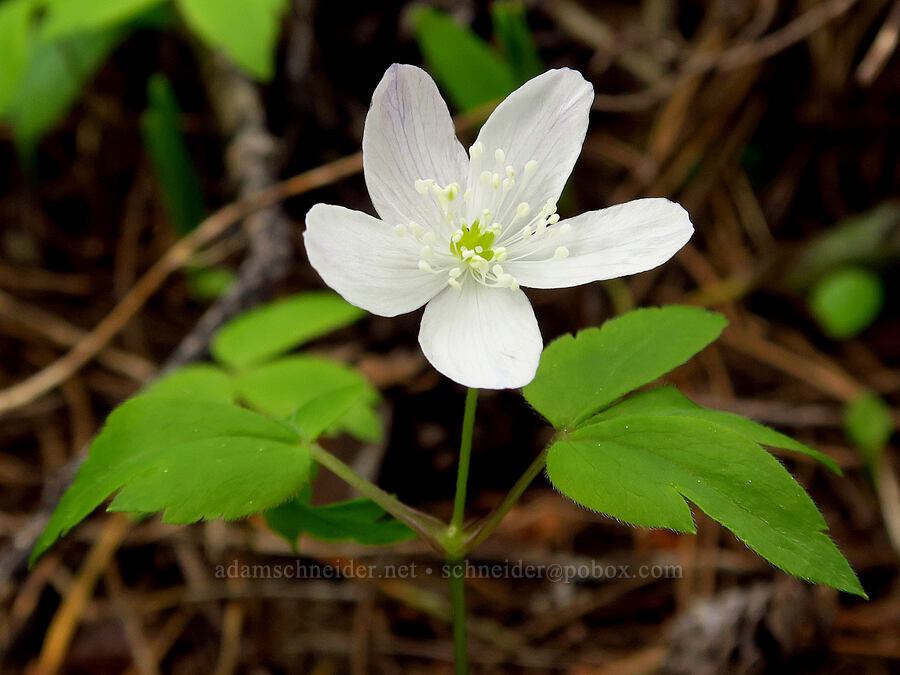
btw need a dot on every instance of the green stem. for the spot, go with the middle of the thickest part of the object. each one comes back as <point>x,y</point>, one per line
<point>458,604</point>
<point>453,538</point>
<point>430,528</point>
<point>485,527</point>
<point>465,452</point>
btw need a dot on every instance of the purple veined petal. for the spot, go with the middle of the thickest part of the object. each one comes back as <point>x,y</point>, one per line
<point>614,242</point>
<point>537,131</point>
<point>482,336</point>
<point>409,136</point>
<point>367,262</point>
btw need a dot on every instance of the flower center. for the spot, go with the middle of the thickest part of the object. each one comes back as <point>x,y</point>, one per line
<point>465,247</point>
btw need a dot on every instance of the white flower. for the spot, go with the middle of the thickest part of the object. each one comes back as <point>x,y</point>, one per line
<point>461,232</point>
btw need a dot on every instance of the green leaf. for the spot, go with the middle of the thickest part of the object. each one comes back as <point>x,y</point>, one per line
<point>15,20</point>
<point>360,520</point>
<point>202,381</point>
<point>193,460</point>
<point>246,31</point>
<point>65,17</point>
<point>209,283</point>
<point>511,28</point>
<point>580,375</point>
<point>322,412</point>
<point>668,401</point>
<point>869,425</point>
<point>169,156</point>
<point>53,79</point>
<point>280,388</point>
<point>869,239</point>
<point>277,327</point>
<point>640,469</point>
<point>468,70</point>
<point>845,302</point>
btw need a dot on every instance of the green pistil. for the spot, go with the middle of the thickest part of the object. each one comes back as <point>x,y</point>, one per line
<point>472,238</point>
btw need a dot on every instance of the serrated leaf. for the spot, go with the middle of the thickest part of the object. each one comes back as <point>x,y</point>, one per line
<point>579,375</point>
<point>668,401</point>
<point>64,17</point>
<point>869,425</point>
<point>359,520</point>
<point>189,459</point>
<point>640,469</point>
<point>170,157</point>
<point>846,301</point>
<point>277,327</point>
<point>202,381</point>
<point>15,27</point>
<point>466,68</point>
<point>511,28</point>
<point>280,388</point>
<point>53,79</point>
<point>246,31</point>
<point>322,412</point>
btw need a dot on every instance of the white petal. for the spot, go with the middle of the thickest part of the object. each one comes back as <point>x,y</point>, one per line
<point>408,136</point>
<point>367,262</point>
<point>613,242</point>
<point>544,120</point>
<point>482,337</point>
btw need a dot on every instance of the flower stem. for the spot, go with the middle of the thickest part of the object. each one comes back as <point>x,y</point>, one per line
<point>465,452</point>
<point>454,538</point>
<point>458,604</point>
<point>430,528</point>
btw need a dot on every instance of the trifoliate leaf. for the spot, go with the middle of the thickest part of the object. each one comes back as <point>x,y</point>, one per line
<point>666,401</point>
<point>579,375</point>
<point>202,381</point>
<point>641,469</point>
<point>277,327</point>
<point>190,459</point>
<point>246,31</point>
<point>359,520</point>
<point>282,387</point>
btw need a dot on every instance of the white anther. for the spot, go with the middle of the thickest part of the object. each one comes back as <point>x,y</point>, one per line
<point>511,172</point>
<point>497,270</point>
<point>400,229</point>
<point>507,184</point>
<point>454,283</point>
<point>479,249</point>
<point>426,252</point>
<point>452,191</point>
<point>540,229</point>
<point>554,219</point>
<point>495,228</point>
<point>500,254</point>
<point>523,210</point>
<point>485,178</point>
<point>495,180</point>
<point>467,195</point>
<point>530,167</point>
<point>561,252</point>
<point>428,237</point>
<point>564,228</point>
<point>476,151</point>
<point>466,253</point>
<point>507,281</point>
<point>416,229</point>
<point>499,155</point>
<point>422,186</point>
<point>485,216</point>
<point>457,236</point>
<point>526,232</point>
<point>424,266</point>
<point>455,272</point>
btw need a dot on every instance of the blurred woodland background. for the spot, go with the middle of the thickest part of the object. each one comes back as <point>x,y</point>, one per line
<point>157,163</point>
